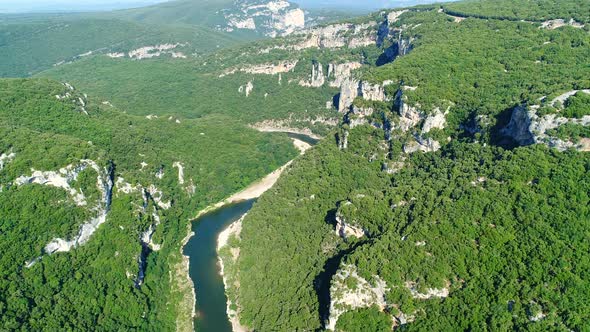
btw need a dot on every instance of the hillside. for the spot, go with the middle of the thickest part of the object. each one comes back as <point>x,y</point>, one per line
<point>30,43</point>
<point>454,194</point>
<point>95,203</point>
<point>450,190</point>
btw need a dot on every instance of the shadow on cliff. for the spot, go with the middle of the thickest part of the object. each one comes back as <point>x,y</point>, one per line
<point>498,134</point>
<point>323,280</point>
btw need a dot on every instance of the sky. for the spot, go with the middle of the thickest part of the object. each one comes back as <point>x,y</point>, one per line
<point>16,6</point>
<point>13,6</point>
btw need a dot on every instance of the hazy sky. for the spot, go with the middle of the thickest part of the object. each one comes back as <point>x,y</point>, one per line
<point>78,5</point>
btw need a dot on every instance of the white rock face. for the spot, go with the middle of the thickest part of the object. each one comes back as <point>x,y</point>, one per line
<point>63,179</point>
<point>263,69</point>
<point>156,195</point>
<point>271,18</point>
<point>392,167</point>
<point>357,116</point>
<point>394,16</point>
<point>59,179</point>
<point>5,158</point>
<point>554,24</point>
<point>526,127</point>
<point>345,229</point>
<point>147,52</point>
<point>421,144</point>
<point>289,22</point>
<point>317,78</point>
<point>126,188</point>
<point>430,292</point>
<point>247,24</point>
<point>436,120</point>
<point>147,236</point>
<point>115,55</point>
<point>350,90</point>
<point>180,172</point>
<point>230,282</point>
<point>247,89</point>
<point>364,295</point>
<point>343,140</point>
<point>341,72</point>
<point>409,116</point>
<point>564,97</point>
<point>374,92</point>
<point>338,36</point>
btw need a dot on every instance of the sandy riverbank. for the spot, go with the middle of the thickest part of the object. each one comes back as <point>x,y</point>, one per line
<point>186,289</point>
<point>233,230</point>
<point>258,188</point>
<point>185,283</point>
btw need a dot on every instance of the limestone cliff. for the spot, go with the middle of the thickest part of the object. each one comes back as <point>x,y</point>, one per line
<point>270,18</point>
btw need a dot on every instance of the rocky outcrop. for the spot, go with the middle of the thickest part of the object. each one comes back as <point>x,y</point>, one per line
<point>418,143</point>
<point>363,295</point>
<point>64,179</point>
<point>342,139</point>
<point>392,167</point>
<point>339,73</point>
<point>148,52</point>
<point>430,292</point>
<point>337,36</point>
<point>519,127</point>
<point>410,116</point>
<point>5,158</point>
<point>293,125</point>
<point>346,228</point>
<point>436,120</point>
<point>358,116</point>
<point>180,167</point>
<point>390,32</point>
<point>78,99</point>
<point>554,24</point>
<point>246,89</point>
<point>317,78</point>
<point>263,69</point>
<point>351,89</point>
<point>228,256</point>
<point>270,18</point>
<point>526,128</point>
<point>561,99</point>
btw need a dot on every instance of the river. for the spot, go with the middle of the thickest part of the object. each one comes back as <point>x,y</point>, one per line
<point>204,267</point>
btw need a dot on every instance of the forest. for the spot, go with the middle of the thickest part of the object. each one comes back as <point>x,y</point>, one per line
<point>479,235</point>
<point>94,284</point>
<point>477,232</point>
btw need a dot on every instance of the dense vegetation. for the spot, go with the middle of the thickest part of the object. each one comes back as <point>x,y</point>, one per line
<point>181,87</point>
<point>577,106</point>
<point>32,44</point>
<point>519,236</point>
<point>504,231</point>
<point>87,288</point>
<point>538,11</point>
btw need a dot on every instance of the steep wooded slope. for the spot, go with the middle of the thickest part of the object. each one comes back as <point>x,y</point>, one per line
<point>443,202</point>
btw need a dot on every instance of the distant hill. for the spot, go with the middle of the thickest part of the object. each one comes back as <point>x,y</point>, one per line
<point>30,43</point>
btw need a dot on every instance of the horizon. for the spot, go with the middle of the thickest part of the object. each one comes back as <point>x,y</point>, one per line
<point>48,6</point>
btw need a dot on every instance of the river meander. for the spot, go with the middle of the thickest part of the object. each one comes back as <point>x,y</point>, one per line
<point>204,266</point>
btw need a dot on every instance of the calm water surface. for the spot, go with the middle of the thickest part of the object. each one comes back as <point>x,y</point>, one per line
<point>204,268</point>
